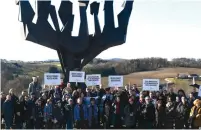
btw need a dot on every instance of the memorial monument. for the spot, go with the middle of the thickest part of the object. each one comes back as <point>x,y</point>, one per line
<point>51,25</point>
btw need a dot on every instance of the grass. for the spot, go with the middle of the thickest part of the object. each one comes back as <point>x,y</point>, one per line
<point>161,74</point>
<point>136,78</point>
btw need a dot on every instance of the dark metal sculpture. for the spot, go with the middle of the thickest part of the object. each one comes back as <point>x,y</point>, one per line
<point>74,51</point>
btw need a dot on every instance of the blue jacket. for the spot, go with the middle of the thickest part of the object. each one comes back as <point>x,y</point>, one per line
<point>104,98</point>
<point>48,111</point>
<point>90,114</point>
<point>8,109</point>
<point>87,101</point>
<point>77,112</point>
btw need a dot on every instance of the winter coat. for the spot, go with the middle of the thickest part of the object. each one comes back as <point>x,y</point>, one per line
<point>77,112</point>
<point>130,114</point>
<point>2,102</point>
<point>90,118</point>
<point>58,113</point>
<point>170,111</point>
<point>182,112</point>
<point>114,114</point>
<point>106,97</point>
<point>196,117</point>
<point>38,112</point>
<point>8,110</point>
<point>29,110</point>
<point>160,115</point>
<point>68,112</point>
<point>19,107</point>
<point>48,112</point>
<point>148,112</point>
<point>34,88</point>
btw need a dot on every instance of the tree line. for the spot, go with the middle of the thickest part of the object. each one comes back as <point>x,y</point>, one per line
<point>124,67</point>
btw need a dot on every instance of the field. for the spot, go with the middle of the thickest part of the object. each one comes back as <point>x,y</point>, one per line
<point>161,74</point>
<point>20,77</point>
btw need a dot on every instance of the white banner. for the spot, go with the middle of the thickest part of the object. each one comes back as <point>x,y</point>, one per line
<point>151,84</point>
<point>94,79</point>
<point>199,92</point>
<point>115,81</point>
<point>52,78</point>
<point>76,76</point>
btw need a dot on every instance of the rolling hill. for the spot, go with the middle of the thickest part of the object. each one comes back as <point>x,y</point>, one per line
<point>18,75</point>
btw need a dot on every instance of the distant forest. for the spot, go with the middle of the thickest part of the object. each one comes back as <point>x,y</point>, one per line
<point>124,67</point>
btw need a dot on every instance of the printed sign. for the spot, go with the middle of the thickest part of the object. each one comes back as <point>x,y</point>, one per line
<point>151,84</point>
<point>52,78</point>
<point>94,79</point>
<point>115,81</point>
<point>76,76</point>
<point>199,92</point>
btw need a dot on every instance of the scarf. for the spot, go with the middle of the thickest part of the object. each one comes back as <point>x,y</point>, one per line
<point>117,107</point>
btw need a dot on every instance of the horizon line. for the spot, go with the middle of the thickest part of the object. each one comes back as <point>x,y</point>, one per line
<point>106,59</point>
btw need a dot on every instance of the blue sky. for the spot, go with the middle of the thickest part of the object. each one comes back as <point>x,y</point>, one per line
<point>157,28</point>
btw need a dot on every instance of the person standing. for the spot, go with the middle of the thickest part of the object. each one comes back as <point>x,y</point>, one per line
<point>148,114</point>
<point>38,115</point>
<point>34,87</point>
<point>48,114</point>
<point>68,114</point>
<point>80,114</point>
<point>182,114</point>
<point>93,114</point>
<point>8,112</point>
<point>195,114</point>
<point>28,113</point>
<point>117,113</point>
<point>160,114</point>
<point>170,114</point>
<point>130,114</point>
<point>3,99</point>
<point>58,115</point>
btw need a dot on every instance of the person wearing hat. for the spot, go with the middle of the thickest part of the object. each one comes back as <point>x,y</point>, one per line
<point>35,87</point>
<point>58,115</point>
<point>130,114</point>
<point>68,114</point>
<point>195,114</point>
<point>93,114</point>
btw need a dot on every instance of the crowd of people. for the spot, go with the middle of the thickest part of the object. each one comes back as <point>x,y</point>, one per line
<point>67,107</point>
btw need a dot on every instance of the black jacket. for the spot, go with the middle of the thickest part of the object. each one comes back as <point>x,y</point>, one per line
<point>182,111</point>
<point>58,113</point>
<point>68,112</point>
<point>148,112</point>
<point>160,115</point>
